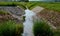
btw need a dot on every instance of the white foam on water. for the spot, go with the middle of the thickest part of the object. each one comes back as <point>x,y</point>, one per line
<point>28,24</point>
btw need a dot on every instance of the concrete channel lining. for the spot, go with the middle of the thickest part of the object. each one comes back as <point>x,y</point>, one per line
<point>37,9</point>
<point>15,11</point>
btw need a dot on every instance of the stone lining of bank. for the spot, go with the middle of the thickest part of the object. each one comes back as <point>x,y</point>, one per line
<point>14,12</point>
<point>50,16</point>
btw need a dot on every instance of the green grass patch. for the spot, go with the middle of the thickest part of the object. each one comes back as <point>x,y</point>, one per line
<point>10,28</point>
<point>41,28</point>
<point>57,32</point>
<point>49,5</point>
<point>3,12</point>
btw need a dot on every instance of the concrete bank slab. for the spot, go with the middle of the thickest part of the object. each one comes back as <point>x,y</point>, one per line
<point>37,9</point>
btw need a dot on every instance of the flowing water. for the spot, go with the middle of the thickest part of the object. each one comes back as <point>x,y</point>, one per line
<point>28,24</point>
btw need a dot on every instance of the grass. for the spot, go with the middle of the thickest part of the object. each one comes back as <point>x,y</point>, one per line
<point>57,32</point>
<point>41,28</point>
<point>3,12</point>
<point>21,4</point>
<point>48,5</point>
<point>10,28</point>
